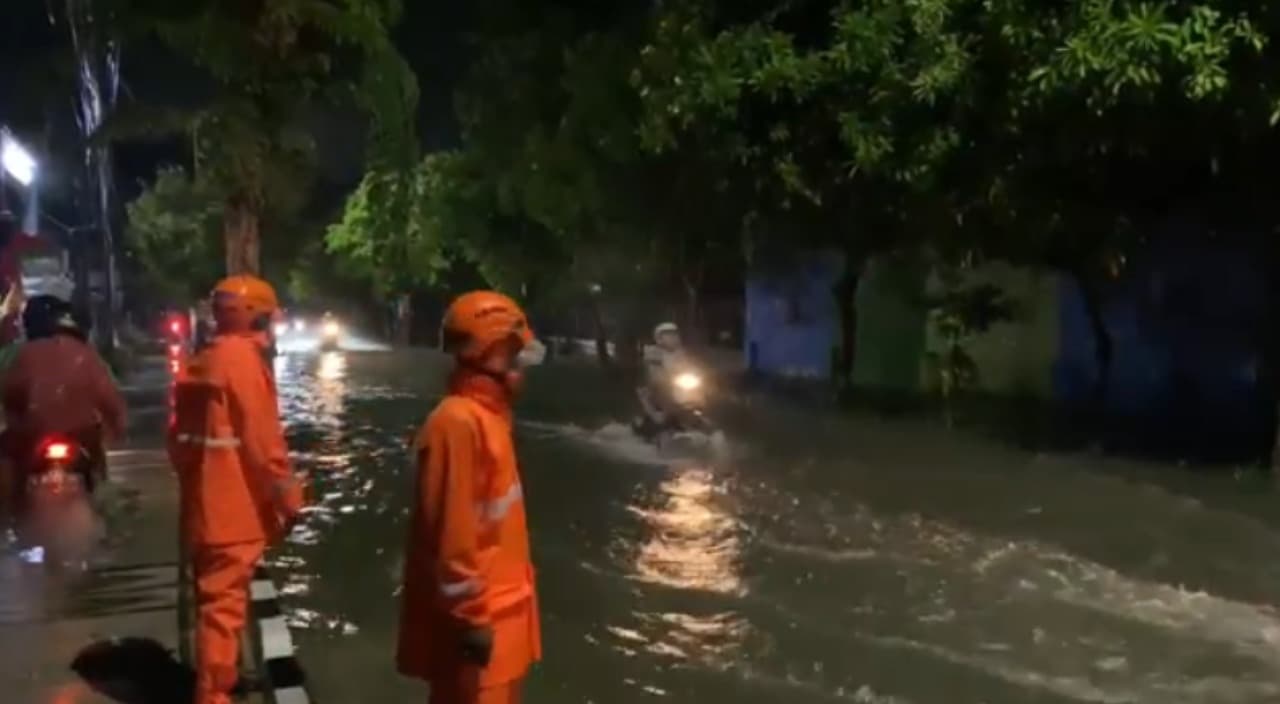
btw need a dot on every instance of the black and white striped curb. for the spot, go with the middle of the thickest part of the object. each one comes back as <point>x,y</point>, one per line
<point>283,679</point>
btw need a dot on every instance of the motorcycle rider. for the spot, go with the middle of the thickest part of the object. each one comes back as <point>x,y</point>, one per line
<point>664,358</point>
<point>57,384</point>
<point>237,489</point>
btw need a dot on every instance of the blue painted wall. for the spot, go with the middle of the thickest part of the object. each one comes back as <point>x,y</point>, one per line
<point>1184,325</point>
<point>791,320</point>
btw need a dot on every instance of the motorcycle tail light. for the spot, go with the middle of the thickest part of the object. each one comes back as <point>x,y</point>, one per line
<point>57,451</point>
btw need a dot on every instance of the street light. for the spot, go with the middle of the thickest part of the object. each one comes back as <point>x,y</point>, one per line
<point>17,161</point>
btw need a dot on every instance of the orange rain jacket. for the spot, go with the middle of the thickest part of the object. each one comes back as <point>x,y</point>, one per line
<point>228,448</point>
<point>468,562</point>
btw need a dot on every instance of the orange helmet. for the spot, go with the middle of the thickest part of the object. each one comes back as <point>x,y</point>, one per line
<point>476,321</point>
<point>243,303</point>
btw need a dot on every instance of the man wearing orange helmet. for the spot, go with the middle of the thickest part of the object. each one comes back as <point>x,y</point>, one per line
<point>238,491</point>
<point>469,620</point>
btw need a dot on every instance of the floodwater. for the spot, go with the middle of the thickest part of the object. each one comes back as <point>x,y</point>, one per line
<point>828,559</point>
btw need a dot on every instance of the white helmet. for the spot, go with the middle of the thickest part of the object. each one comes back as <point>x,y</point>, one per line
<point>664,329</point>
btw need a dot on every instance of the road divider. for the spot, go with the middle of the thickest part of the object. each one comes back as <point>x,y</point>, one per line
<point>283,679</point>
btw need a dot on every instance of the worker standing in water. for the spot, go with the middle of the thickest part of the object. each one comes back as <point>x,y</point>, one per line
<point>238,492</point>
<point>469,619</point>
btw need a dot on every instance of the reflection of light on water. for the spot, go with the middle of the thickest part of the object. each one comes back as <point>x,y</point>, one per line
<point>333,366</point>
<point>693,542</point>
<point>311,620</point>
<point>715,640</point>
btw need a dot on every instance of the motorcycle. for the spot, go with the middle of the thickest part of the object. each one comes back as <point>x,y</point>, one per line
<point>330,336</point>
<point>684,411</point>
<point>56,517</point>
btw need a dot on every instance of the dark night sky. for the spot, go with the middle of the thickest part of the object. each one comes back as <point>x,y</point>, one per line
<point>430,37</point>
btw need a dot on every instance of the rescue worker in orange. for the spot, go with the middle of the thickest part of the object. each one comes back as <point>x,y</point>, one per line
<point>469,613</point>
<point>238,491</point>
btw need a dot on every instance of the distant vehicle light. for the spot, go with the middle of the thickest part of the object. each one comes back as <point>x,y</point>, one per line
<point>299,325</point>
<point>175,350</point>
<point>332,329</point>
<point>281,329</point>
<point>175,326</point>
<point>688,381</point>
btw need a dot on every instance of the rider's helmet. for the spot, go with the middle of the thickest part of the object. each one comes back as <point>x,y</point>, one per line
<point>667,335</point>
<point>244,303</point>
<point>478,320</point>
<point>47,315</point>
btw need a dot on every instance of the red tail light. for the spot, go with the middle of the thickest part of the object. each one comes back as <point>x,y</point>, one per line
<point>175,350</point>
<point>57,451</point>
<point>177,325</point>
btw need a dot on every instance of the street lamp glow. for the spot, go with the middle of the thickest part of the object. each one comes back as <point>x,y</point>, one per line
<point>17,161</point>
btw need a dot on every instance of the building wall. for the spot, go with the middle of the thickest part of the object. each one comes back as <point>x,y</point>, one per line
<point>890,343</point>
<point>790,328</point>
<point>1185,324</point>
<point>1014,358</point>
<point>792,324</point>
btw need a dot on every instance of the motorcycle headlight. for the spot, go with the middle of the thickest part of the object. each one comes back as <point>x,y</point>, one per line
<point>332,329</point>
<point>688,382</point>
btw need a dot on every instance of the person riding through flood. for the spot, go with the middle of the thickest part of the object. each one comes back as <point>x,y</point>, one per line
<point>57,384</point>
<point>662,361</point>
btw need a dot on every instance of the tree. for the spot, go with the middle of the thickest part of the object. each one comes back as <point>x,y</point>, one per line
<point>174,232</point>
<point>263,66</point>
<point>845,119</point>
<point>1077,173</point>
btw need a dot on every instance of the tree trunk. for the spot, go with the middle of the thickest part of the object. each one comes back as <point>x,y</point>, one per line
<point>1269,346</point>
<point>404,320</point>
<point>691,311</point>
<point>1275,448</point>
<point>240,233</point>
<point>846,294</point>
<point>1102,344</point>
<point>602,334</point>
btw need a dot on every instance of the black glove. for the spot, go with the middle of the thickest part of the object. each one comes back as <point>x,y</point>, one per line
<point>477,645</point>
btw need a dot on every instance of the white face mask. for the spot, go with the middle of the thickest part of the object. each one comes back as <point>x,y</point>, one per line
<point>531,355</point>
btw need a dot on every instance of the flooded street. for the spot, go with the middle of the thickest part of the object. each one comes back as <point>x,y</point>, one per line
<point>829,560</point>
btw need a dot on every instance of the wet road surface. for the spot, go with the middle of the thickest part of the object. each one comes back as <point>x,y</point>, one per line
<point>829,560</point>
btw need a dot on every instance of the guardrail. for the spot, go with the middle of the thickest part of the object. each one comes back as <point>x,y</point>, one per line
<point>266,642</point>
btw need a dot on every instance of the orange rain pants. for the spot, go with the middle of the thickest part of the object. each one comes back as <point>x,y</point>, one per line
<point>223,573</point>
<point>459,692</point>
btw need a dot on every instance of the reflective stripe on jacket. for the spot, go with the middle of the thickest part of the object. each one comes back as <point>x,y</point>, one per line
<point>227,445</point>
<point>468,562</point>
